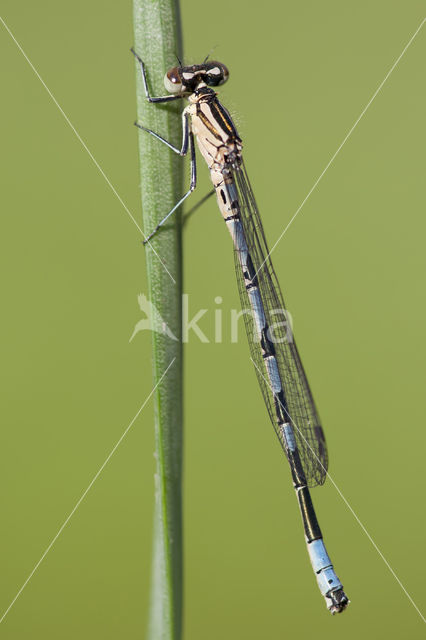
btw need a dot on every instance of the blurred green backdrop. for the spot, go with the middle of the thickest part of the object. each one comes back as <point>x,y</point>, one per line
<point>352,270</point>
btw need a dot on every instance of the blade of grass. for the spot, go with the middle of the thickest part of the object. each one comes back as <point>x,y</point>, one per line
<point>158,42</point>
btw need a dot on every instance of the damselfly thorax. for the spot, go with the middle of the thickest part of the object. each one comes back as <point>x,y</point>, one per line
<point>218,141</point>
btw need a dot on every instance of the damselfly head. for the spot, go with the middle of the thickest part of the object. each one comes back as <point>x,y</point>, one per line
<point>186,79</point>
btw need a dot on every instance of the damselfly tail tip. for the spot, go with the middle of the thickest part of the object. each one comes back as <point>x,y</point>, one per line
<point>338,601</point>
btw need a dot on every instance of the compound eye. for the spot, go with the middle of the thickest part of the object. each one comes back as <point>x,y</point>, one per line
<point>217,74</point>
<point>225,73</point>
<point>173,80</point>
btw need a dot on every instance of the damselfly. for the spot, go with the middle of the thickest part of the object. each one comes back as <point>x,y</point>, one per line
<point>274,354</point>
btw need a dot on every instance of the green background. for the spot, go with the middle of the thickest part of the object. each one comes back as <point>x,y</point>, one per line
<point>352,270</point>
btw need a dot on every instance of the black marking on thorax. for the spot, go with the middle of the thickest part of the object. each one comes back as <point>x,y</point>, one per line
<point>220,124</point>
<point>222,115</point>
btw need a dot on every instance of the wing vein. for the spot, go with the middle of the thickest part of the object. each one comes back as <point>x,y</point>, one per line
<point>300,405</point>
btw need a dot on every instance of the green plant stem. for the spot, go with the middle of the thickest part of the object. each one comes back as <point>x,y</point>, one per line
<point>158,42</point>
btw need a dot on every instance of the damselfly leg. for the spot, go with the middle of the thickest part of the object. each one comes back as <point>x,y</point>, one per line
<point>158,99</point>
<point>192,184</point>
<point>187,139</point>
<point>185,136</point>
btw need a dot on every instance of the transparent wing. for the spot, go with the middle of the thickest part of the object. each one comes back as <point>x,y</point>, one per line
<point>300,404</point>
